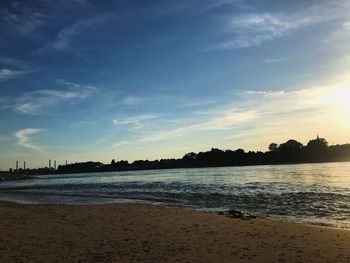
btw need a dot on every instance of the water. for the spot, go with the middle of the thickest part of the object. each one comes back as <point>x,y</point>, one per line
<point>308,193</point>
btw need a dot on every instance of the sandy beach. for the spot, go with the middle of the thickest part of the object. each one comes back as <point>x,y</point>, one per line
<point>149,233</point>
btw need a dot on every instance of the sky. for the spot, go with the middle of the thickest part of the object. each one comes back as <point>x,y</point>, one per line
<point>92,80</point>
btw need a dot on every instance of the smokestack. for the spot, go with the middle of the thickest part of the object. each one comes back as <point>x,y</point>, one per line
<point>16,166</point>
<point>66,162</point>
<point>49,163</point>
<point>24,165</point>
<point>55,164</point>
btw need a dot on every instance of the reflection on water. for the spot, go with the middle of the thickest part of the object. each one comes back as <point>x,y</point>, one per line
<point>314,193</point>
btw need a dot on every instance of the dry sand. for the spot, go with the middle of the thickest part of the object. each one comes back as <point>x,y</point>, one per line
<point>148,233</point>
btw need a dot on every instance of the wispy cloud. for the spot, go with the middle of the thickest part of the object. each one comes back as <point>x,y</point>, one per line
<point>136,121</point>
<point>252,29</point>
<point>35,102</point>
<point>68,35</point>
<point>20,64</point>
<point>119,144</point>
<point>263,113</point>
<point>6,74</point>
<point>24,19</point>
<point>224,120</point>
<point>131,100</point>
<point>228,119</point>
<point>274,60</point>
<point>265,92</point>
<point>24,138</point>
<point>11,68</point>
<point>20,18</point>
<point>73,85</point>
<point>213,4</point>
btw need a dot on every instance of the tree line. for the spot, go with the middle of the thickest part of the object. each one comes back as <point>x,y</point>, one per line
<point>292,151</point>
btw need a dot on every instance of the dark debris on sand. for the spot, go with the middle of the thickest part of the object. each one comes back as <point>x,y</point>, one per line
<point>238,214</point>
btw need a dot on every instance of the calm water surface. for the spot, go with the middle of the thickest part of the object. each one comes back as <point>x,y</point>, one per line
<point>312,193</point>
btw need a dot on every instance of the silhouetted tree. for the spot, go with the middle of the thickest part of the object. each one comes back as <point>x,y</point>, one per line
<point>289,151</point>
<point>273,147</point>
<point>190,156</point>
<point>239,152</point>
<point>290,145</point>
<point>317,144</point>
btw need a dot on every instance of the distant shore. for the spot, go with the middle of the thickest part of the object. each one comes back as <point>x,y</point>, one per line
<point>55,172</point>
<point>290,152</point>
<point>148,233</point>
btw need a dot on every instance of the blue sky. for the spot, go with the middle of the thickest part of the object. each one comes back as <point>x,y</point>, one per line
<point>95,80</point>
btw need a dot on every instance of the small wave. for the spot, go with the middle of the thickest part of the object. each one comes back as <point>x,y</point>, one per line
<point>266,191</point>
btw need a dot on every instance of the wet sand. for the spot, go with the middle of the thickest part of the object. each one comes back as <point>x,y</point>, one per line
<point>148,233</point>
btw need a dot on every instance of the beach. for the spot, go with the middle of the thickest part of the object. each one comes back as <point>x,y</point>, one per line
<point>151,233</point>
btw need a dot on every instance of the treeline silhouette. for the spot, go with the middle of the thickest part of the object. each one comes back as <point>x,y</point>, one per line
<point>292,151</point>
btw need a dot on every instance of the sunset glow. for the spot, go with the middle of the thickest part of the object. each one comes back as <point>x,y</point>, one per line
<point>342,98</point>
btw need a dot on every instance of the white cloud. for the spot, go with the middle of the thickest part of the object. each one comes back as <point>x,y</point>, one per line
<point>119,144</point>
<point>68,83</point>
<point>136,121</point>
<point>6,74</point>
<point>131,100</point>
<point>14,62</point>
<point>66,36</point>
<point>36,101</point>
<point>24,21</point>
<point>274,60</point>
<point>265,92</point>
<point>258,116</point>
<point>24,138</point>
<point>13,68</point>
<point>213,4</point>
<point>254,28</point>
<point>225,119</point>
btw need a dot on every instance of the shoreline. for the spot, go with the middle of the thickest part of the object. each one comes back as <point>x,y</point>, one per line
<point>219,212</point>
<point>152,233</point>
